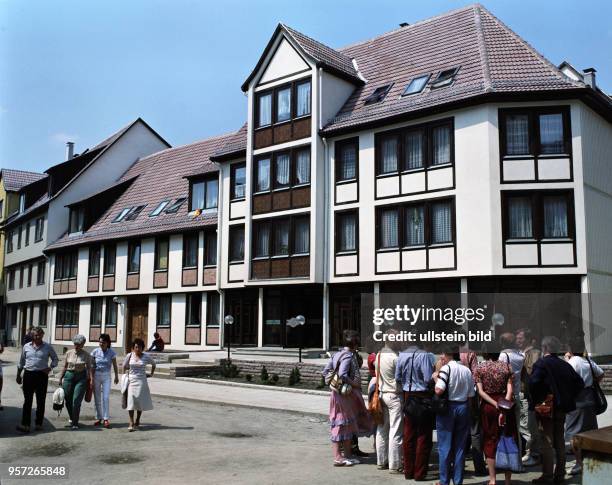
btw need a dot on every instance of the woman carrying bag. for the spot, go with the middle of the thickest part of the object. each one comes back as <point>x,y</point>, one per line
<point>75,378</point>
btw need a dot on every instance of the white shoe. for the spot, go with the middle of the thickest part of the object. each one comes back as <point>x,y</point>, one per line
<point>352,461</point>
<point>529,460</point>
<point>576,470</point>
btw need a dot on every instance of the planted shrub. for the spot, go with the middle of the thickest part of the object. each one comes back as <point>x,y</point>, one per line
<point>229,370</point>
<point>249,377</point>
<point>264,374</point>
<point>275,378</point>
<point>294,376</point>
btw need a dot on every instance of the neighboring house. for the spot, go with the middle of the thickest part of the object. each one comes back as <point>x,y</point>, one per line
<point>447,156</point>
<point>44,215</point>
<point>11,181</point>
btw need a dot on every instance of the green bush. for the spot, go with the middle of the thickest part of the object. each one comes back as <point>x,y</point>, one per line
<point>263,376</point>
<point>275,378</point>
<point>229,370</point>
<point>295,376</point>
<point>249,377</point>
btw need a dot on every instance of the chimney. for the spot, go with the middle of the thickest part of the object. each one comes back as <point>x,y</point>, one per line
<point>404,24</point>
<point>589,77</point>
<point>69,150</point>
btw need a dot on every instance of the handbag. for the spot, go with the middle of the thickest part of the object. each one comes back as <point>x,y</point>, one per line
<point>439,403</point>
<point>505,405</point>
<point>416,406</point>
<point>89,390</point>
<point>545,408</point>
<point>125,383</point>
<point>336,384</point>
<point>375,404</point>
<point>507,456</point>
<point>601,403</point>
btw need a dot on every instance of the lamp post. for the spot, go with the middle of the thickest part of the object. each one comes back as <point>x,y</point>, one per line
<point>228,320</point>
<point>295,322</point>
<point>497,320</point>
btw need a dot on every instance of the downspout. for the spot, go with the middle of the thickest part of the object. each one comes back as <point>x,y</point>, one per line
<point>220,202</point>
<point>327,327</point>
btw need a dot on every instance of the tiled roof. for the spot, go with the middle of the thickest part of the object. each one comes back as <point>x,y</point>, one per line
<point>14,180</point>
<point>160,176</point>
<point>235,145</point>
<point>491,59</point>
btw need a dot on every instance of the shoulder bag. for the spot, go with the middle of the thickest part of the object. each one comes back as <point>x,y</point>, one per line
<point>335,381</point>
<point>439,403</point>
<point>125,383</point>
<point>416,406</point>
<point>601,403</point>
<point>375,404</point>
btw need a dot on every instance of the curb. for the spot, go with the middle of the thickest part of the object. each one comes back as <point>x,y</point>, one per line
<point>246,385</point>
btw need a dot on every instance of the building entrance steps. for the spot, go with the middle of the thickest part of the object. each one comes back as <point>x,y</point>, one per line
<point>278,352</point>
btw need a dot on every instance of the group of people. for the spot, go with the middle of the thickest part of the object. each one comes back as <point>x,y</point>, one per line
<point>522,402</point>
<point>83,374</point>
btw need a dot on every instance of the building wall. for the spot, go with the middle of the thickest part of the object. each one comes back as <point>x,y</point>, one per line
<point>35,248</point>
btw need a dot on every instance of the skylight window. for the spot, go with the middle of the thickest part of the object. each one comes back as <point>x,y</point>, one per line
<point>445,78</point>
<point>122,214</point>
<point>134,213</point>
<point>416,85</point>
<point>157,211</point>
<point>176,205</point>
<point>378,95</point>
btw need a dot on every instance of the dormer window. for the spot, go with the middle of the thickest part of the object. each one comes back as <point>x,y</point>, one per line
<point>416,85</point>
<point>203,194</point>
<point>77,217</point>
<point>176,205</point>
<point>445,78</point>
<point>378,94</point>
<point>157,211</point>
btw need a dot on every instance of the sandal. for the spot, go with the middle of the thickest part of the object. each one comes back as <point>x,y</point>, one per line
<point>106,424</point>
<point>97,422</point>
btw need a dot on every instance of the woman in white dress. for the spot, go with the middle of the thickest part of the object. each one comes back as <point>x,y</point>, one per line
<point>138,394</point>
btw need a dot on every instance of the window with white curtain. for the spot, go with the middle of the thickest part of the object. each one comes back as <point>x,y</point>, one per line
<point>238,178</point>
<point>517,134</point>
<point>303,99</point>
<point>551,133</point>
<point>212,192</point>
<point>520,218</point>
<point>282,170</point>
<point>346,164</point>
<point>441,145</point>
<point>236,236</point>
<point>389,228</point>
<point>302,167</point>
<point>262,240</point>
<point>301,235</point>
<point>441,223</point>
<point>265,110</point>
<point>414,225</point>
<point>389,149</point>
<point>555,216</point>
<point>263,175</point>
<point>283,104</point>
<point>414,150</point>
<point>346,232</point>
<point>204,194</point>
<point>281,238</point>
<point>535,131</point>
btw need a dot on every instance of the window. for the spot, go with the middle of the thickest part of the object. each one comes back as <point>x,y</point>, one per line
<point>301,235</point>
<point>538,215</point>
<point>110,252</point>
<point>27,234</point>
<point>77,215</point>
<point>95,316</point>
<point>210,249</point>
<point>302,166</point>
<point>213,307</point>
<point>22,201</point>
<point>176,205</point>
<point>42,314</point>
<point>347,156</point>
<point>264,109</point>
<point>19,231</point>
<point>419,224</point>
<point>40,227</point>
<point>11,278</point>
<point>289,169</point>
<point>283,104</point>
<point>9,242</point>
<point>41,268</point>
<point>535,131</point>
<point>164,304</point>
<point>236,241</point>
<point>94,261</point>
<point>378,94</point>
<point>162,247</point>
<point>122,214</point>
<point>346,232</point>
<point>282,169</point>
<point>110,319</point>
<point>193,312</point>
<point>203,194</point>
<point>65,265</point>
<point>157,211</point>
<point>1,209</point>
<point>262,183</point>
<point>445,78</point>
<point>133,257</point>
<point>134,212</point>
<point>67,314</point>
<point>262,240</point>
<point>238,181</point>
<point>281,237</point>
<point>303,99</point>
<point>30,269</point>
<point>416,85</point>
<point>415,148</point>
<point>190,250</point>
<point>21,272</point>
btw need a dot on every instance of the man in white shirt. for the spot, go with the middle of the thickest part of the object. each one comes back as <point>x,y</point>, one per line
<point>515,359</point>
<point>455,380</point>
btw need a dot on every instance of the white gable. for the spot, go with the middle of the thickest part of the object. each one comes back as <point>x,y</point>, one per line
<point>284,62</point>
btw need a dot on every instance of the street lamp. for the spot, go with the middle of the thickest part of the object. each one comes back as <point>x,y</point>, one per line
<point>228,320</point>
<point>298,321</point>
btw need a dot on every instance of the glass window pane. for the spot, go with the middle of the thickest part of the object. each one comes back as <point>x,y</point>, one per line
<point>237,243</point>
<point>134,255</point>
<point>161,255</point>
<point>520,218</point>
<point>159,208</point>
<point>347,232</point>
<point>282,170</point>
<point>415,225</point>
<point>389,155</point>
<point>212,190</point>
<point>303,99</point>
<point>302,169</point>
<point>389,229</point>
<point>551,133</point>
<point>239,182</point>
<point>416,85</point>
<point>517,134</point>
<point>109,259</point>
<point>348,162</point>
<point>283,105</point>
<point>190,250</point>
<point>441,145</point>
<point>262,241</point>
<point>210,249</point>
<point>263,175</point>
<point>555,216</point>
<point>163,310</point>
<point>213,307</point>
<point>281,238</point>
<point>441,223</point>
<point>301,236</point>
<point>265,110</point>
<point>197,196</point>
<point>194,309</point>
<point>414,150</point>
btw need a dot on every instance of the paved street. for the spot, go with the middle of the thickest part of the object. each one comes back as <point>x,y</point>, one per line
<point>185,442</point>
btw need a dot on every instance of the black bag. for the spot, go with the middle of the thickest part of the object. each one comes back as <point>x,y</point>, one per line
<point>416,406</point>
<point>601,403</point>
<point>439,404</point>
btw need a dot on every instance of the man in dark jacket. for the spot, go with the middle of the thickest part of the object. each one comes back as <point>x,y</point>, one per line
<point>553,375</point>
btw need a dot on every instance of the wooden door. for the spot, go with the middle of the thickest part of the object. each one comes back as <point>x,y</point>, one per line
<point>137,324</point>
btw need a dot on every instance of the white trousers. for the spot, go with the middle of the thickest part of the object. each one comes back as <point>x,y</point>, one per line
<point>389,434</point>
<point>102,388</point>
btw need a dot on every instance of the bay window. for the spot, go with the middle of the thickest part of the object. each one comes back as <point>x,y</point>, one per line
<point>281,237</point>
<point>283,104</point>
<point>290,168</point>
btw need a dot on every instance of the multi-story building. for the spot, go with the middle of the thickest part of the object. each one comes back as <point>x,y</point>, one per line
<point>11,181</point>
<point>44,214</point>
<point>444,156</point>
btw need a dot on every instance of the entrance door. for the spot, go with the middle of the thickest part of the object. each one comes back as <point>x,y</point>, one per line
<point>243,306</point>
<point>137,320</point>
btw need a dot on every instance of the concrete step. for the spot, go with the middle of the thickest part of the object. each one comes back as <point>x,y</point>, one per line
<point>277,352</point>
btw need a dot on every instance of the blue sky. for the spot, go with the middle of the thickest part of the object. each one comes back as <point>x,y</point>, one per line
<point>80,70</point>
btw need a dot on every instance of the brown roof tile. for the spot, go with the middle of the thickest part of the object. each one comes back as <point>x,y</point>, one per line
<point>234,147</point>
<point>14,180</point>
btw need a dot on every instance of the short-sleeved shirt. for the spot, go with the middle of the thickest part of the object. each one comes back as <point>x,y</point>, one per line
<point>103,360</point>
<point>493,375</point>
<point>37,358</point>
<point>414,369</point>
<point>388,362</point>
<point>461,383</point>
<point>582,367</point>
<point>78,361</point>
<point>516,360</point>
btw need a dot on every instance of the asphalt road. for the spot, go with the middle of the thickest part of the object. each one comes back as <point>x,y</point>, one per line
<point>186,442</point>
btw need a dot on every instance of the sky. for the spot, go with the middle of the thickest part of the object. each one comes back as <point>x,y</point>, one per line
<point>80,70</point>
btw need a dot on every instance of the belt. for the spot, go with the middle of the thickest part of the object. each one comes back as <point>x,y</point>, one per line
<point>457,402</point>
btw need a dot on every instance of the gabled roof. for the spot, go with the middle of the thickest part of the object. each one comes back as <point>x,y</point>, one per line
<point>157,177</point>
<point>331,60</point>
<point>234,147</point>
<point>14,180</point>
<point>492,60</point>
